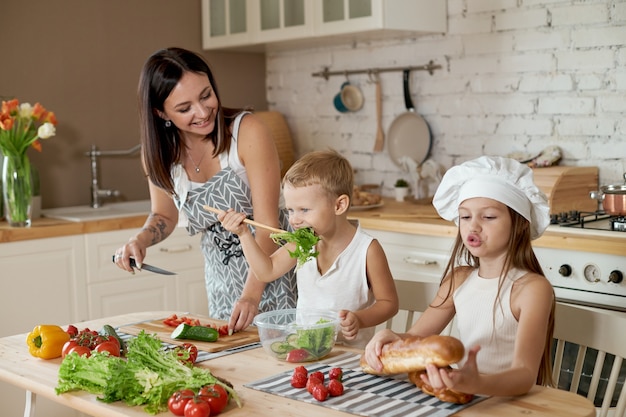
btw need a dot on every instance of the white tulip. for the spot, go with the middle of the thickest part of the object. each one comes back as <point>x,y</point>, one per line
<point>26,110</point>
<point>46,130</point>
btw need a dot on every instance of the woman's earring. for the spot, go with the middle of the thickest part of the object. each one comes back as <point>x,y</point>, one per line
<point>168,123</point>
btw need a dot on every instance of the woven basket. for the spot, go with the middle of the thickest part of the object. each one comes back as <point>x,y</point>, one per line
<point>282,137</point>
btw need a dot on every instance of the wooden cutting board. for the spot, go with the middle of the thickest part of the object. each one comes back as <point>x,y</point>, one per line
<point>164,332</point>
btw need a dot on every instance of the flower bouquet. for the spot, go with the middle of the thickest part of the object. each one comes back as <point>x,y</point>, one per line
<point>21,126</point>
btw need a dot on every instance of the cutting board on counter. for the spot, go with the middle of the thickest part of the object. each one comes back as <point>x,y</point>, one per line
<point>164,332</point>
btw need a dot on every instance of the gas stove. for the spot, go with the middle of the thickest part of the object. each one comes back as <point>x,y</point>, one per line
<point>598,220</point>
<point>587,278</point>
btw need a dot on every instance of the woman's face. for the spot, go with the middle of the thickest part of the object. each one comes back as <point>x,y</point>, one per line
<point>192,105</point>
<point>485,226</point>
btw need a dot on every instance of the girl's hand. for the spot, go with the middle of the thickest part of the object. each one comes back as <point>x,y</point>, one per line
<point>134,248</point>
<point>464,379</point>
<point>233,222</point>
<point>375,347</point>
<point>349,324</point>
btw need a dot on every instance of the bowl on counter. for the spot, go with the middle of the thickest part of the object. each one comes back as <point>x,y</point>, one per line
<point>298,335</point>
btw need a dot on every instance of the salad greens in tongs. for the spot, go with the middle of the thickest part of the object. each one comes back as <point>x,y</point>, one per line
<point>305,240</point>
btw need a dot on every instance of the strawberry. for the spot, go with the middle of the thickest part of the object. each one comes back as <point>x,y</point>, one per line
<point>317,374</point>
<point>312,382</point>
<point>335,388</point>
<point>301,370</point>
<point>297,355</point>
<point>320,392</point>
<point>335,373</point>
<point>299,380</point>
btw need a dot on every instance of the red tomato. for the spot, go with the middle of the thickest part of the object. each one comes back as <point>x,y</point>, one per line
<point>223,330</point>
<point>81,350</point>
<point>197,408</point>
<point>335,373</point>
<point>178,400</point>
<point>111,347</point>
<point>67,346</point>
<point>193,352</point>
<point>216,396</point>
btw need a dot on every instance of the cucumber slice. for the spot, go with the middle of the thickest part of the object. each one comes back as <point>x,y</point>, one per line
<point>201,333</point>
<point>292,339</point>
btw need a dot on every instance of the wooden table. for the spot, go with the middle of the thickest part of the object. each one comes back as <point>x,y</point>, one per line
<point>39,377</point>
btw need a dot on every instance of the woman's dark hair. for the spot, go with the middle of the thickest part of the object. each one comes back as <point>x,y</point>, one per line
<point>161,145</point>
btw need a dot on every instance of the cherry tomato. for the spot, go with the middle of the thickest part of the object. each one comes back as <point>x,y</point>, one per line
<point>107,346</point>
<point>197,408</point>
<point>216,396</point>
<point>67,346</point>
<point>192,350</point>
<point>81,350</point>
<point>178,400</point>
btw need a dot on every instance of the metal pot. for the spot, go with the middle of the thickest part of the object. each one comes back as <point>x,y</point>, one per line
<point>613,198</point>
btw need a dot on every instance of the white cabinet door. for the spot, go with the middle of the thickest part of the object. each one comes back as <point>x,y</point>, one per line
<point>113,291</point>
<point>247,24</point>
<point>333,17</point>
<point>43,282</point>
<point>225,23</point>
<point>415,257</point>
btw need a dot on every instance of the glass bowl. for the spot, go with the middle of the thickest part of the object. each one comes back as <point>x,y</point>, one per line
<point>298,335</point>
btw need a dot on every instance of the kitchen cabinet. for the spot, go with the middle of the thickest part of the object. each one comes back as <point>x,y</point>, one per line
<point>255,24</point>
<point>414,257</point>
<point>112,291</point>
<point>42,281</point>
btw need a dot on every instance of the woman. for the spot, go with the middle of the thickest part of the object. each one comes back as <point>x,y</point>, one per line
<point>196,152</point>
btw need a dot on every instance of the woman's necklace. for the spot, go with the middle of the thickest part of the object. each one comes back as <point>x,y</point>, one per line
<point>197,166</point>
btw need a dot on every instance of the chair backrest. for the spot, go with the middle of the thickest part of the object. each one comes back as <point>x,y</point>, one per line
<point>414,297</point>
<point>592,330</point>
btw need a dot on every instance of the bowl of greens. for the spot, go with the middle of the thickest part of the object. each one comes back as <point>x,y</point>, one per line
<point>298,335</point>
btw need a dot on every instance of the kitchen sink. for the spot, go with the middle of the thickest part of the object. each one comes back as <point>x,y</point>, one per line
<point>106,211</point>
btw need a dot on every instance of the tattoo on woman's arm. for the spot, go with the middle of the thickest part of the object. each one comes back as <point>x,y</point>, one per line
<point>156,226</point>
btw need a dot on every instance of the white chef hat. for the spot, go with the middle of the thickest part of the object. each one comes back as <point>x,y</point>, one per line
<point>501,179</point>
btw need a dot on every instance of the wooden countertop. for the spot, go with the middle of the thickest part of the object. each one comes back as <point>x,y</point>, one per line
<point>38,376</point>
<point>392,216</point>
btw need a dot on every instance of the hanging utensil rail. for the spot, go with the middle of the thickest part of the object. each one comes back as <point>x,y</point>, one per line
<point>430,67</point>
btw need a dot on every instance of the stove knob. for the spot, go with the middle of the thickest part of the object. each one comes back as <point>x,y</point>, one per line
<point>616,276</point>
<point>565,270</point>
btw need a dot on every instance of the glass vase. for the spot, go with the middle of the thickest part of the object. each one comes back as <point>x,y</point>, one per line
<point>17,190</point>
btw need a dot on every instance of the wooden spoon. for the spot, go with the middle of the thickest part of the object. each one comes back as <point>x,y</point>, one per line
<point>248,221</point>
<point>380,134</point>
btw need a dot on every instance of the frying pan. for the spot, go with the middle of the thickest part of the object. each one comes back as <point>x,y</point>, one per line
<point>409,134</point>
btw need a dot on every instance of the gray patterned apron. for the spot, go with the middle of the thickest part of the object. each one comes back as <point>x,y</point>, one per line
<point>226,268</point>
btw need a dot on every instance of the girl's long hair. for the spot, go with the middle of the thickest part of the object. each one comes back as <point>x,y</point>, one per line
<point>161,145</point>
<point>520,255</point>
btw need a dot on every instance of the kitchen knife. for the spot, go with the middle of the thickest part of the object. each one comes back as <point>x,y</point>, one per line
<point>148,267</point>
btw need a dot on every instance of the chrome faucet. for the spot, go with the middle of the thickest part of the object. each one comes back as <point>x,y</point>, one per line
<point>97,194</point>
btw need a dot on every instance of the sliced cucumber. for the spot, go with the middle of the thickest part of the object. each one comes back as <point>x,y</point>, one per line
<point>201,333</point>
<point>292,339</point>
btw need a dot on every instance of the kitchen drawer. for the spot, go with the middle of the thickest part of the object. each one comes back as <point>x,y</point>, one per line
<point>177,253</point>
<point>415,257</point>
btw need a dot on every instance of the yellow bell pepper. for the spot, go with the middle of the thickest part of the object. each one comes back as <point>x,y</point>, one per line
<point>46,341</point>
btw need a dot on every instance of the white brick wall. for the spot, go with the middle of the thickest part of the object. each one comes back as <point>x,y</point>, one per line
<point>517,75</point>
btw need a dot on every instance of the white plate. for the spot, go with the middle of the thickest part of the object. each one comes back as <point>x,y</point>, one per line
<point>369,206</point>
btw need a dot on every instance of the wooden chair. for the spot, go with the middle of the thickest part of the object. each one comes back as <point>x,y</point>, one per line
<point>414,297</point>
<point>591,330</point>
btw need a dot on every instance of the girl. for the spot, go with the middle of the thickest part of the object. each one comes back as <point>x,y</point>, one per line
<point>493,283</point>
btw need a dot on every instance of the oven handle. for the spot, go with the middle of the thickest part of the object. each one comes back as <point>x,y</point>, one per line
<point>418,261</point>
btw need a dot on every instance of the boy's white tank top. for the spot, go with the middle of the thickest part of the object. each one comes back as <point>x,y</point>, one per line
<point>343,287</point>
<point>480,322</point>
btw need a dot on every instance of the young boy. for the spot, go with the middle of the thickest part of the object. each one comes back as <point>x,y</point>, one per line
<point>350,273</point>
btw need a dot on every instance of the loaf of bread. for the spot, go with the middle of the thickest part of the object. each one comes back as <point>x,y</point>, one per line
<point>414,353</point>
<point>444,394</point>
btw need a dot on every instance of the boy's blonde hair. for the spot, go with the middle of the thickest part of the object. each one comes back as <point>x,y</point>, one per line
<point>327,168</point>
